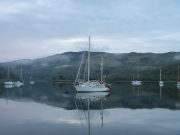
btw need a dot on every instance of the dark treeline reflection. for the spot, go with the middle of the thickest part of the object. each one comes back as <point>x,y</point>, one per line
<point>124,95</point>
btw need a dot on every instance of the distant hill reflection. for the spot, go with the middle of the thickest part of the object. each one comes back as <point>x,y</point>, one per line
<point>124,95</point>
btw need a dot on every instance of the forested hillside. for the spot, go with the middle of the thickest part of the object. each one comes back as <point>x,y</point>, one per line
<point>116,66</point>
<point>3,74</point>
<point>169,72</point>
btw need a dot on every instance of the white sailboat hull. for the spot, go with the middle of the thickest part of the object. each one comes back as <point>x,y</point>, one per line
<point>136,82</point>
<point>31,82</point>
<point>161,83</point>
<point>18,83</point>
<point>80,88</point>
<point>178,84</point>
<point>9,83</point>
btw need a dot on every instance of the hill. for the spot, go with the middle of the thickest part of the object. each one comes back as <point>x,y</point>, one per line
<point>115,65</point>
<point>3,74</point>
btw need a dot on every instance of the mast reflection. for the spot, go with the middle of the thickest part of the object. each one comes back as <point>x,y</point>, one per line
<point>137,88</point>
<point>161,85</point>
<point>7,88</point>
<point>91,97</point>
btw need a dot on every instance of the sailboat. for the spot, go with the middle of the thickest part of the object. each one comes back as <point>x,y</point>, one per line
<point>136,82</point>
<point>8,81</point>
<point>91,97</point>
<point>19,83</point>
<point>133,80</point>
<point>92,86</point>
<point>178,84</point>
<point>160,82</point>
<point>31,82</point>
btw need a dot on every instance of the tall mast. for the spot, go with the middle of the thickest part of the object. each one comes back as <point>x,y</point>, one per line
<point>85,71</point>
<point>138,73</point>
<point>160,74</point>
<point>8,72</point>
<point>102,71</point>
<point>178,73</point>
<point>21,75</point>
<point>89,61</point>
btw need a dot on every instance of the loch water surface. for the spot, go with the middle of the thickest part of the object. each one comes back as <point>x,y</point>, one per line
<point>57,109</point>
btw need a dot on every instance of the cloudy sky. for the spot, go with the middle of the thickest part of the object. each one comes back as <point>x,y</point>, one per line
<point>32,29</point>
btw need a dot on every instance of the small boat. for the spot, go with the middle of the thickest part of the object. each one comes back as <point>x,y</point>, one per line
<point>160,82</point>
<point>178,84</point>
<point>91,86</point>
<point>19,83</point>
<point>31,82</point>
<point>136,82</point>
<point>8,82</point>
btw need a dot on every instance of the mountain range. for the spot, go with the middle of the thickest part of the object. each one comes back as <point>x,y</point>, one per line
<point>116,66</point>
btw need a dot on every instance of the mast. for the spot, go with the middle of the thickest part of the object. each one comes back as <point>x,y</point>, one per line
<point>85,71</point>
<point>178,73</point>
<point>89,61</point>
<point>21,75</point>
<point>138,73</point>
<point>8,73</point>
<point>102,71</point>
<point>133,77</point>
<point>160,74</point>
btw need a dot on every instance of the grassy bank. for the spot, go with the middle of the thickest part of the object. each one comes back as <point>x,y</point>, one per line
<point>62,81</point>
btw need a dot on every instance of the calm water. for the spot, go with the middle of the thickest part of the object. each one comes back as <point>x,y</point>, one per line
<point>56,109</point>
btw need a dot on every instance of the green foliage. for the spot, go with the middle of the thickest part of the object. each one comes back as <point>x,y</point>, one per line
<point>3,74</point>
<point>61,78</point>
<point>116,66</point>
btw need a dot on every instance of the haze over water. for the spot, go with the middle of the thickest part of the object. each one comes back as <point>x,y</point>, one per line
<point>45,108</point>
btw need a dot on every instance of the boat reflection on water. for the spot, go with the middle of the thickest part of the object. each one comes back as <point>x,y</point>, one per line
<point>137,88</point>
<point>178,85</point>
<point>160,85</point>
<point>8,86</point>
<point>91,97</point>
<point>18,84</point>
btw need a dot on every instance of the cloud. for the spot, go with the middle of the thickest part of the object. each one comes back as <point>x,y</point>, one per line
<point>7,8</point>
<point>59,26</point>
